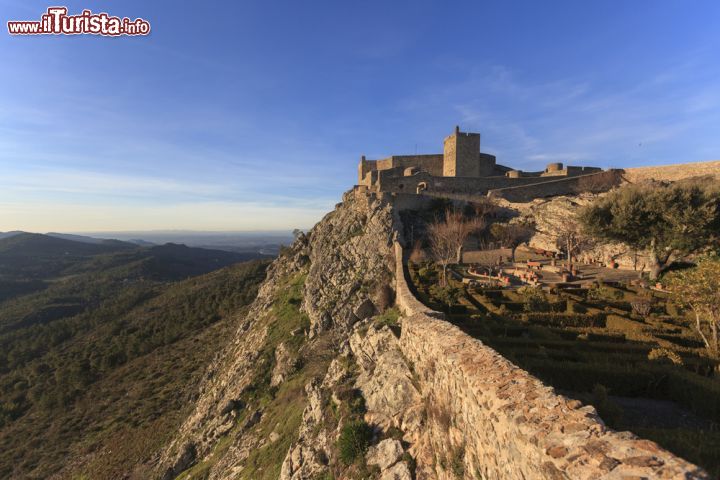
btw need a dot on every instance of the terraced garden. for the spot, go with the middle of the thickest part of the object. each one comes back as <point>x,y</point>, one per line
<point>629,351</point>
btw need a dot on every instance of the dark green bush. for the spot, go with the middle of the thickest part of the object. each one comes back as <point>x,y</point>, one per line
<point>533,299</point>
<point>427,274</point>
<point>356,405</point>
<point>389,317</point>
<point>354,441</point>
<point>601,292</point>
<point>457,462</point>
<point>447,295</point>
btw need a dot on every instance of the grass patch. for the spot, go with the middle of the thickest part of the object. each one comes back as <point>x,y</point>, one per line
<point>283,408</point>
<point>354,441</point>
<point>388,318</point>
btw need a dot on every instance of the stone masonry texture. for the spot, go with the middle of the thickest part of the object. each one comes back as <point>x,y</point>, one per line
<point>504,423</point>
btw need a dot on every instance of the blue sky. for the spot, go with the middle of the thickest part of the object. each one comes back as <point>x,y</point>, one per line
<point>251,115</point>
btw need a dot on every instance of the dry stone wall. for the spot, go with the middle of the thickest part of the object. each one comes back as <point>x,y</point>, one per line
<point>490,419</point>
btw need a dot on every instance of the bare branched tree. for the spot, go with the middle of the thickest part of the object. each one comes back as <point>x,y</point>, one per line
<point>447,238</point>
<point>572,238</point>
<point>417,255</point>
<point>511,235</point>
<point>485,207</point>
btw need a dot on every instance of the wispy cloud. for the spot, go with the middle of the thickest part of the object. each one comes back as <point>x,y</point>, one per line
<point>526,122</point>
<point>93,183</point>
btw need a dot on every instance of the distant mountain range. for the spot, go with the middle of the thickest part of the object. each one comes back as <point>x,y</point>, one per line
<point>34,256</point>
<point>93,240</point>
<point>266,243</point>
<point>9,234</point>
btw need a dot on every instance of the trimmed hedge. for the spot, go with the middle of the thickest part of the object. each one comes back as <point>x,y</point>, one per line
<point>699,394</point>
<point>557,319</point>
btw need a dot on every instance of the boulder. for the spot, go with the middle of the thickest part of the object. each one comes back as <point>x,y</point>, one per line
<point>285,364</point>
<point>399,471</point>
<point>385,453</point>
<point>365,310</point>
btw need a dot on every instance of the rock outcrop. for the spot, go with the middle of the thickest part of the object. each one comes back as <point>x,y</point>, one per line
<point>550,216</point>
<point>337,266</point>
<point>372,364</point>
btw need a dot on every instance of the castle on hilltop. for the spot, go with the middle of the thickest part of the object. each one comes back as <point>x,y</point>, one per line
<point>462,170</point>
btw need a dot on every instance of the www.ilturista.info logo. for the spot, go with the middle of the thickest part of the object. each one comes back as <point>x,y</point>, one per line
<point>57,22</point>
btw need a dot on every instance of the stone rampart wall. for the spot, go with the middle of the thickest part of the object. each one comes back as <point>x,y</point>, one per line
<point>432,163</point>
<point>520,189</point>
<point>503,423</point>
<point>429,163</point>
<point>455,185</point>
<point>553,187</point>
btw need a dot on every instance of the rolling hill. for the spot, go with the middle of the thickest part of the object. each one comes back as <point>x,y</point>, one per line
<point>101,343</point>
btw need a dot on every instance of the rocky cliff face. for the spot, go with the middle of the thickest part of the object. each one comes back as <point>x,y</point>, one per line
<point>249,409</point>
<point>550,215</point>
<point>370,369</point>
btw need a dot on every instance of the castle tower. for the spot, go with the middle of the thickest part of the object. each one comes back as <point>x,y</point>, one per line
<point>363,168</point>
<point>461,154</point>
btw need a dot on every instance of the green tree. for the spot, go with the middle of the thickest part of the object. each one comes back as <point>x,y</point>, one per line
<point>668,221</point>
<point>699,289</point>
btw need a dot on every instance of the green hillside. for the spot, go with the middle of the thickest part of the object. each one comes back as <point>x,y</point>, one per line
<point>107,350</point>
<point>33,255</point>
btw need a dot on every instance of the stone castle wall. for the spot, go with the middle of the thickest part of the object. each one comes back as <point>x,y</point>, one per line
<point>456,185</point>
<point>563,186</point>
<point>516,189</point>
<point>429,163</point>
<point>501,422</point>
<point>673,172</point>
